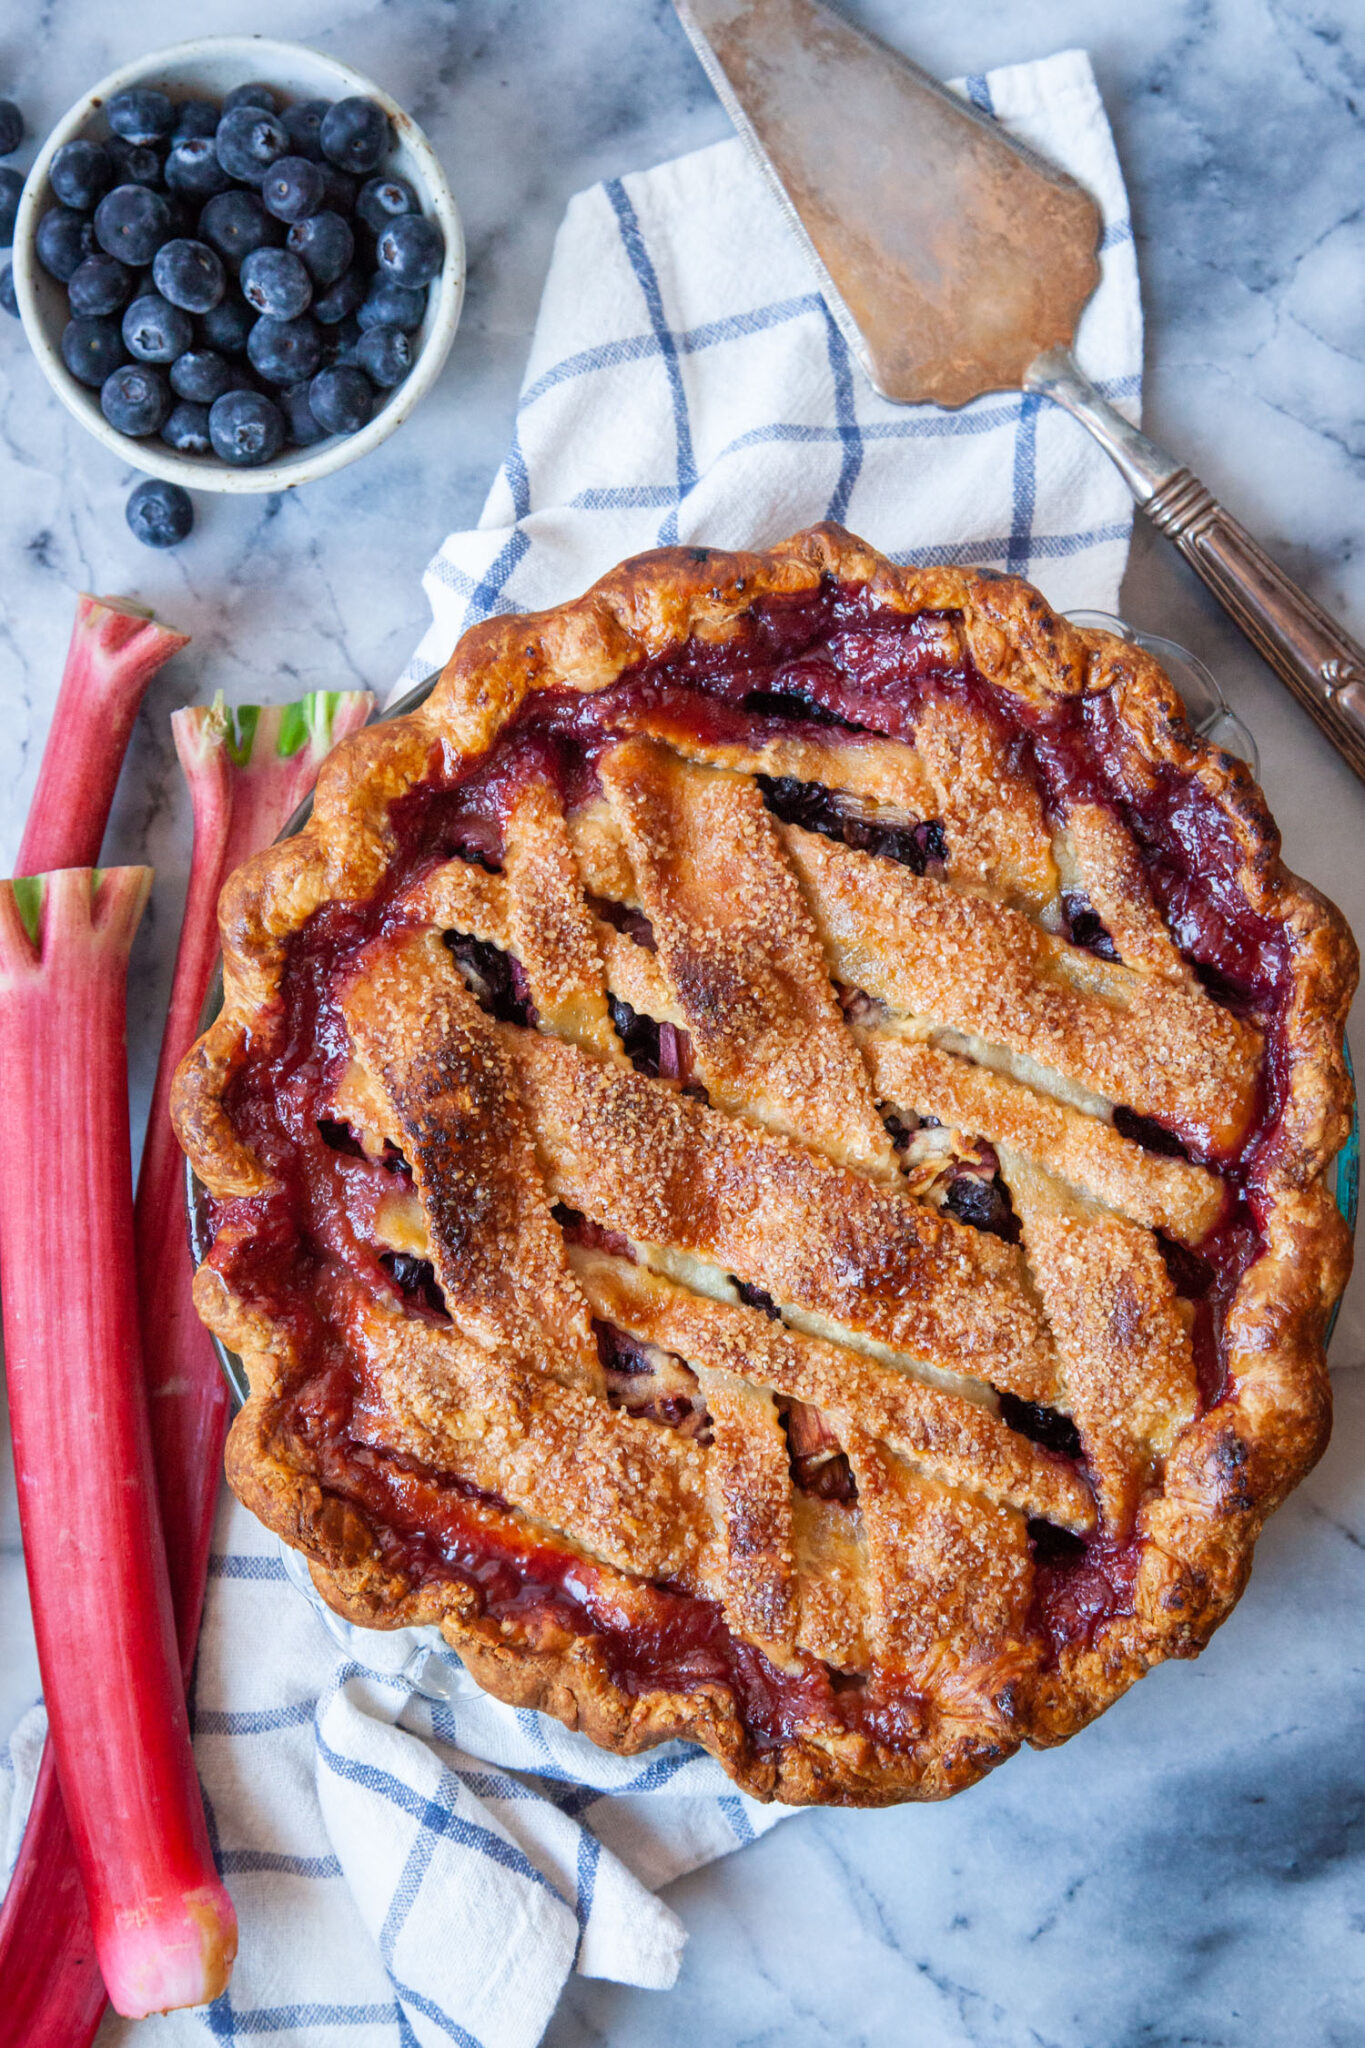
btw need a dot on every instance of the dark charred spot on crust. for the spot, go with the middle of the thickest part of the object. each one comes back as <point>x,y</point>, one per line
<point>1230,1459</point>
<point>1045,1426</point>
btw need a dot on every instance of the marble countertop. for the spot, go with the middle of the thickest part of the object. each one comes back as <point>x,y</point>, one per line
<point>1189,1869</point>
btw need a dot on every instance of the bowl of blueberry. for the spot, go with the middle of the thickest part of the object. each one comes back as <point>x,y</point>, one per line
<point>240,266</point>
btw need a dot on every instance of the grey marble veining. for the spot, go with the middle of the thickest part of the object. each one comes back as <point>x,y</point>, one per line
<point>1189,1870</point>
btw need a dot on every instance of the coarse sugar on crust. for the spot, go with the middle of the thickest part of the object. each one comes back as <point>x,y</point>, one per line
<point>705,981</point>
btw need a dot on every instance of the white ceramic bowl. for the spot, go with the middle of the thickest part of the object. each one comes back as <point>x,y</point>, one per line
<point>208,69</point>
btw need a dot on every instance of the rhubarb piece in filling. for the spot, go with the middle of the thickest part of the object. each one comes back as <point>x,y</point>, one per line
<point>742,1207</point>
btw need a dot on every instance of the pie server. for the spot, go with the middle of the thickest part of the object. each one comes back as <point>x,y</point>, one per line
<point>957,262</point>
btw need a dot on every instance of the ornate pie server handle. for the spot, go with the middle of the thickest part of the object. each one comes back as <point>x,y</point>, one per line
<point>1321,663</point>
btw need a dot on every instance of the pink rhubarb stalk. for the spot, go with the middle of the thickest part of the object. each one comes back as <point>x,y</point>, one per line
<point>164,1929</point>
<point>248,771</point>
<point>115,651</point>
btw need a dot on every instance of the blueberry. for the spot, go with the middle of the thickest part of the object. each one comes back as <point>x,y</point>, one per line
<point>63,240</point>
<point>303,125</point>
<point>392,305</point>
<point>384,199</point>
<point>134,163</point>
<point>132,223</point>
<point>246,428</point>
<point>341,298</point>
<point>303,428</point>
<point>197,118</point>
<point>250,96</point>
<point>284,351</point>
<point>225,327</point>
<point>248,142</point>
<point>193,168</point>
<point>189,274</point>
<point>236,223</point>
<point>135,400</point>
<point>155,331</point>
<point>324,244</point>
<point>385,354</point>
<point>410,250</point>
<point>11,185</point>
<point>11,127</point>
<point>355,135</point>
<point>341,399</point>
<point>159,514</point>
<point>92,349</point>
<point>8,297</point>
<point>100,284</point>
<point>80,174</point>
<point>276,283</point>
<point>293,188</point>
<point>339,342</point>
<point>200,374</point>
<point>187,430</point>
<point>141,114</point>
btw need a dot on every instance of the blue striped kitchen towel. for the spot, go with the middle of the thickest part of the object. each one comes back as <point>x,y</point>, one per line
<point>686,383</point>
<point>411,1861</point>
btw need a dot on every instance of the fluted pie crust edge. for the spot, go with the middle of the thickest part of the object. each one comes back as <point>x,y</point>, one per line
<point>1226,1471</point>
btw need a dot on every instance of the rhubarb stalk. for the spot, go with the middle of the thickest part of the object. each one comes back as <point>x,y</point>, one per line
<point>164,1929</point>
<point>248,771</point>
<point>115,651</point>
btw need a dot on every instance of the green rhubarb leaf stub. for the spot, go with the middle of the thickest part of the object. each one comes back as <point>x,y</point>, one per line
<point>29,891</point>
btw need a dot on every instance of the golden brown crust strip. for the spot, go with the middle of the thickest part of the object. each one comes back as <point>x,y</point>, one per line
<point>667,1170</point>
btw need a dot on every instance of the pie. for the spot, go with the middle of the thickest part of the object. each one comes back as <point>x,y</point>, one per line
<point>766,1159</point>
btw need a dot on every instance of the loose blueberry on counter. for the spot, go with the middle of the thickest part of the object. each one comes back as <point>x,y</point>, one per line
<point>293,188</point>
<point>303,428</point>
<point>63,240</point>
<point>341,298</point>
<point>410,250</point>
<point>341,399</point>
<point>383,200</point>
<point>246,429</point>
<point>11,185</point>
<point>248,142</point>
<point>198,118</point>
<point>200,374</point>
<point>225,327</point>
<point>135,400</point>
<point>131,223</point>
<point>141,114</point>
<point>236,223</point>
<point>276,283</point>
<point>9,299</point>
<point>392,305</point>
<point>99,284</point>
<point>193,168</point>
<point>324,245</point>
<point>11,127</point>
<point>92,349</point>
<point>284,351</point>
<point>190,275</point>
<point>80,174</point>
<point>253,95</point>
<point>159,514</point>
<point>385,354</point>
<point>303,125</point>
<point>135,163</point>
<point>155,331</point>
<point>187,429</point>
<point>355,135</point>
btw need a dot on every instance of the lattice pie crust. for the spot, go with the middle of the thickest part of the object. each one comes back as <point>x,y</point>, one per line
<point>767,1151</point>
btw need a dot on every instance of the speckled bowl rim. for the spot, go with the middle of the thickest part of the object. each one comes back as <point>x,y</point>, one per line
<point>1346,1177</point>
<point>274,62</point>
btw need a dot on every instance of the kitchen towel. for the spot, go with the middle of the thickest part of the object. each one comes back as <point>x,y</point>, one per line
<point>413,1863</point>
